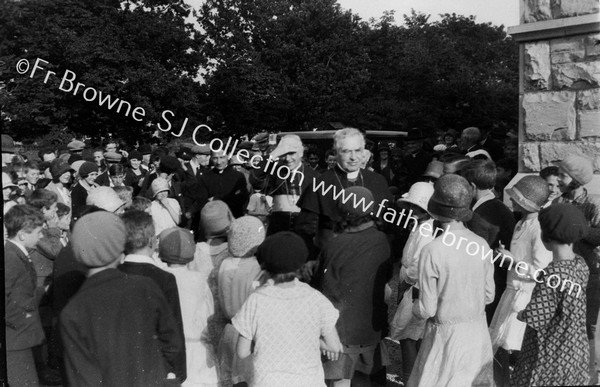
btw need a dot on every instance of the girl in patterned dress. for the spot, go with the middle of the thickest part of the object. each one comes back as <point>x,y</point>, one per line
<point>555,346</point>
<point>288,322</point>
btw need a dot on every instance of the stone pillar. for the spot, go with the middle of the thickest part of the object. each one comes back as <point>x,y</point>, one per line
<point>559,92</point>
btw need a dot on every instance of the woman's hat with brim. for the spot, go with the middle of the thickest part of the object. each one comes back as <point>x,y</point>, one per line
<point>531,193</point>
<point>451,199</point>
<point>159,185</point>
<point>418,194</point>
<point>216,218</point>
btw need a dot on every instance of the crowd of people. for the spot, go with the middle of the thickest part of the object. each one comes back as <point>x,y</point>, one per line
<point>194,267</point>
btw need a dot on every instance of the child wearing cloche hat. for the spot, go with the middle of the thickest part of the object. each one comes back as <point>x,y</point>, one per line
<point>555,348</point>
<point>176,248</point>
<point>115,317</point>
<point>288,321</point>
<point>239,276</point>
<point>215,218</point>
<point>528,196</point>
<point>405,326</point>
<point>455,284</point>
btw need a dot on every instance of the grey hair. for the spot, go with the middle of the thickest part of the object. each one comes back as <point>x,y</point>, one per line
<point>342,134</point>
<point>472,133</point>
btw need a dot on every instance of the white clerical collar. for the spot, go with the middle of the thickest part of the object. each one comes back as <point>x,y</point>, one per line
<point>350,175</point>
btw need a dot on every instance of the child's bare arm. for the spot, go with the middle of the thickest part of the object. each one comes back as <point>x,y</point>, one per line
<point>331,345</point>
<point>244,347</point>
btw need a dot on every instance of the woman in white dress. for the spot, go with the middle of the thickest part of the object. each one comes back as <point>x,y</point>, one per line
<point>455,285</point>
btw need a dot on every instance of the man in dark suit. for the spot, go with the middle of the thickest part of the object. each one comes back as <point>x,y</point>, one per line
<point>195,194</point>
<point>225,183</point>
<point>416,159</point>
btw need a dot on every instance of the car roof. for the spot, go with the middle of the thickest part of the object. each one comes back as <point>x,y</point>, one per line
<point>328,134</point>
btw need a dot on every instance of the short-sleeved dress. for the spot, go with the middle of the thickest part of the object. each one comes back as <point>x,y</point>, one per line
<point>526,246</point>
<point>286,325</point>
<point>555,347</point>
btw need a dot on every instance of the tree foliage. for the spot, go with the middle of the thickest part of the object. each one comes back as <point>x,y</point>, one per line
<point>266,65</point>
<point>142,52</point>
<point>293,64</point>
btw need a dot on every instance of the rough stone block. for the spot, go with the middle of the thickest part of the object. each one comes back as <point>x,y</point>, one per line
<point>537,69</point>
<point>592,46</point>
<point>556,151</point>
<point>588,110</point>
<point>535,10</point>
<point>530,156</point>
<point>581,75</point>
<point>549,116</point>
<point>567,50</point>
<point>568,8</point>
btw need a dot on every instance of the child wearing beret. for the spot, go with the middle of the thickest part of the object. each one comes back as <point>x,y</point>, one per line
<point>176,247</point>
<point>239,276</point>
<point>287,321</point>
<point>555,347</point>
<point>118,330</point>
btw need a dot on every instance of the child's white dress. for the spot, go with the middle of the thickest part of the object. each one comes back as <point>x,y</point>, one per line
<point>526,246</point>
<point>196,307</point>
<point>286,325</point>
<point>238,278</point>
<point>405,325</point>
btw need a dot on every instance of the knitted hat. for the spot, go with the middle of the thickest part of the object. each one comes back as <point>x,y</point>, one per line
<point>145,149</point>
<point>8,144</point>
<point>418,194</point>
<point>216,218</point>
<point>358,198</point>
<point>98,239</point>
<point>169,164</point>
<point>531,192</point>
<point>176,245</point>
<point>159,185</point>
<point>76,145</point>
<point>245,234</point>
<point>58,168</point>
<point>434,169</point>
<point>578,167</point>
<point>86,168</point>
<point>563,222</point>
<point>105,198</point>
<point>451,198</point>
<point>282,252</point>
<point>112,157</point>
<point>135,155</point>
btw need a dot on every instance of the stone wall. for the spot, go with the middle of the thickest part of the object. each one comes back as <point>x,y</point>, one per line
<point>538,10</point>
<point>560,81</point>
